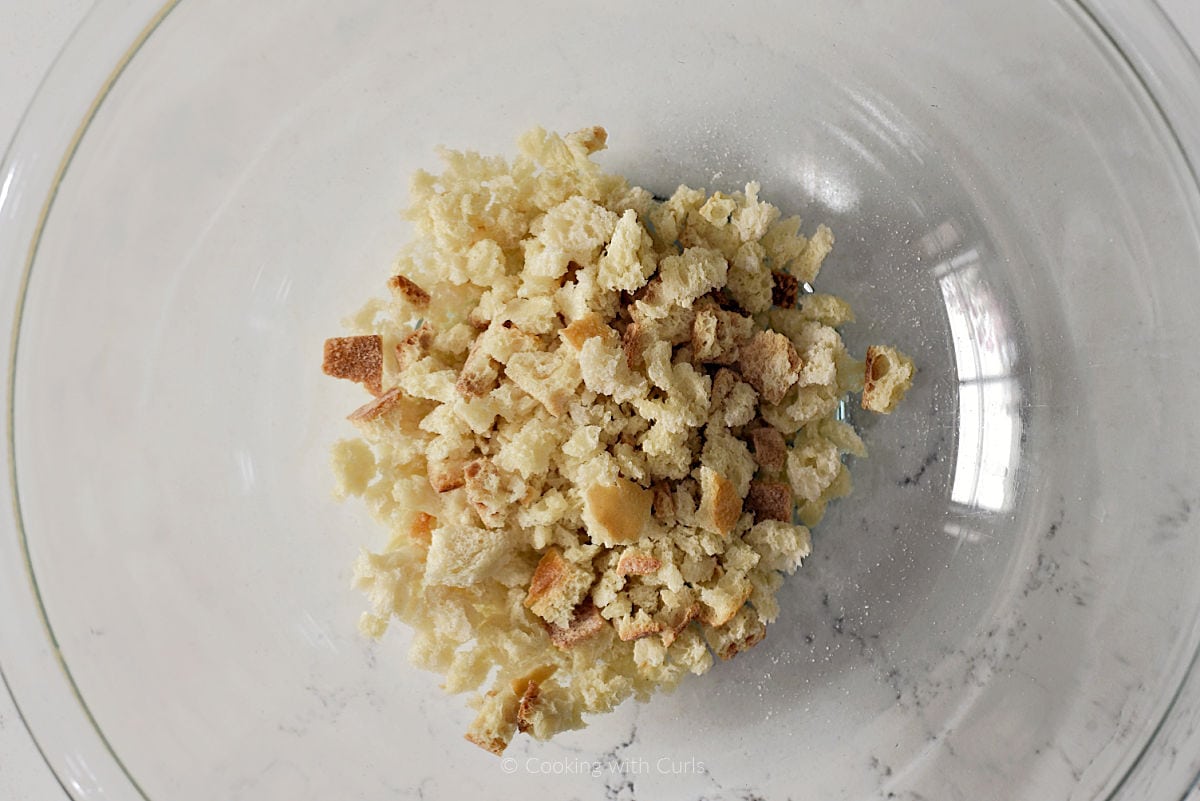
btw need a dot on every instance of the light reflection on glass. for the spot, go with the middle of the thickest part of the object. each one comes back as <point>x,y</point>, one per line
<point>989,423</point>
<point>81,777</point>
<point>245,463</point>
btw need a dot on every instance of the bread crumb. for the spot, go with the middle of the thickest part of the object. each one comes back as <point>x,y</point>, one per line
<point>770,500</point>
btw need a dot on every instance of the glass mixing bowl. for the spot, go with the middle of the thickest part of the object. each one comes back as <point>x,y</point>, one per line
<point>1006,607</point>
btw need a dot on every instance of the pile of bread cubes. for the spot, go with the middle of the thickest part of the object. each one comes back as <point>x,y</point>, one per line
<point>597,419</point>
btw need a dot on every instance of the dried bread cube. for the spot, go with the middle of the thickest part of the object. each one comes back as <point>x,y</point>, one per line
<point>808,263</point>
<point>732,402</point>
<point>377,407</point>
<point>604,371</point>
<point>717,335</point>
<point>770,363</point>
<point>636,562</point>
<point>581,330</point>
<point>730,457</point>
<point>691,274</point>
<point>488,491</point>
<point>722,600</point>
<point>527,447</point>
<point>769,500</point>
<point>495,723</point>
<point>749,278</point>
<point>357,358</point>
<point>635,626</point>
<point>479,373</point>
<point>887,377</point>
<point>770,448</point>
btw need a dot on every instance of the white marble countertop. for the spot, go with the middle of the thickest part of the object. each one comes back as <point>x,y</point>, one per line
<point>31,34</point>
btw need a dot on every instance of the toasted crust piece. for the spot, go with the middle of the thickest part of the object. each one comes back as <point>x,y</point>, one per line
<point>525,706</point>
<point>446,476</point>
<point>422,527</point>
<point>493,744</point>
<point>770,500</point>
<point>671,630</point>
<point>633,344</point>
<point>527,689</point>
<point>663,502</point>
<point>357,358</point>
<point>771,364</point>
<point>786,290</point>
<point>616,512</point>
<point>634,627</point>
<point>637,563</point>
<point>586,622</point>
<point>770,448</point>
<point>479,373</point>
<point>720,504</point>
<point>886,378</point>
<point>556,588</point>
<point>414,347</point>
<point>376,408</point>
<point>581,330</point>
<point>403,287</point>
<point>482,481</point>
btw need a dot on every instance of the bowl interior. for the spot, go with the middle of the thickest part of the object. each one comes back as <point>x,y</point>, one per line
<point>1003,607</point>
